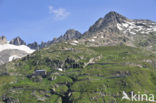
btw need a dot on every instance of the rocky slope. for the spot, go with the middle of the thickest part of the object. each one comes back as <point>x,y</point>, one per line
<point>70,34</point>
<point>34,46</point>
<point>116,29</point>
<point>113,29</point>
<point>3,40</point>
<point>23,49</point>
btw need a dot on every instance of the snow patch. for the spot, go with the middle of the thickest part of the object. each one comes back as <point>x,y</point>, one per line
<point>13,57</point>
<point>73,44</point>
<point>21,47</point>
<point>131,23</point>
<point>60,69</point>
<point>119,27</point>
<point>92,40</point>
<point>125,24</point>
<point>131,27</point>
<point>75,41</point>
<point>154,28</point>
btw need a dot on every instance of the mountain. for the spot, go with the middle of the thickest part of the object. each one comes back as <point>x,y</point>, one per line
<point>13,49</point>
<point>37,46</point>
<point>115,56</point>
<point>34,46</point>
<point>116,29</point>
<point>109,21</point>
<point>17,41</point>
<point>63,73</point>
<point>113,29</point>
<point>70,34</point>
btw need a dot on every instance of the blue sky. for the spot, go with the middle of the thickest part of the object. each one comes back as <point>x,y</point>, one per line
<point>42,20</point>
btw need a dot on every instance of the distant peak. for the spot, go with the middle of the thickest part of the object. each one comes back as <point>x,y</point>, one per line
<point>3,37</point>
<point>115,16</point>
<point>18,37</point>
<point>72,31</point>
<point>17,41</point>
<point>3,40</point>
<point>113,13</point>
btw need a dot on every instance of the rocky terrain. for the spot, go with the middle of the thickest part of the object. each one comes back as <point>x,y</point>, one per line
<point>116,54</point>
<point>17,41</point>
<point>116,29</point>
<point>70,34</point>
<point>111,30</point>
<point>3,40</point>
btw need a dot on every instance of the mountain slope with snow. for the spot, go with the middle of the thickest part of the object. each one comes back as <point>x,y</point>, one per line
<point>9,52</point>
<point>115,29</point>
<point>12,47</point>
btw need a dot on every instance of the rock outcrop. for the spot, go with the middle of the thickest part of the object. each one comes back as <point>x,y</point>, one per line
<point>3,40</point>
<point>17,41</point>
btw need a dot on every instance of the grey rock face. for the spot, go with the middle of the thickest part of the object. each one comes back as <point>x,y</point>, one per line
<point>17,41</point>
<point>107,25</point>
<point>69,35</point>
<point>3,40</point>
<point>34,46</point>
<point>115,29</point>
<point>45,44</point>
<point>72,34</point>
<point>37,46</point>
<point>109,20</point>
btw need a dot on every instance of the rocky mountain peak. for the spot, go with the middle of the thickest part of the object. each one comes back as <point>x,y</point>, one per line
<point>3,40</point>
<point>69,35</point>
<point>72,34</point>
<point>34,46</point>
<point>17,41</point>
<point>110,21</point>
<point>115,17</point>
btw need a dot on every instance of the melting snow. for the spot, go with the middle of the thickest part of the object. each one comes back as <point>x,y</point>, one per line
<point>21,47</point>
<point>119,27</point>
<point>125,25</point>
<point>133,28</point>
<point>73,44</point>
<point>92,40</point>
<point>75,41</point>
<point>154,28</point>
<point>13,57</point>
<point>60,69</point>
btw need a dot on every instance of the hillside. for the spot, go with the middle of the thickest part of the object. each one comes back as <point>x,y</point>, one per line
<point>114,56</point>
<point>90,75</point>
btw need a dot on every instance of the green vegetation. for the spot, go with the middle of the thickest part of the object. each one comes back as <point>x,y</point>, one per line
<point>90,75</point>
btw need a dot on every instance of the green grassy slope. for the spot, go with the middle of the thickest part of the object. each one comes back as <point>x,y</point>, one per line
<point>90,75</point>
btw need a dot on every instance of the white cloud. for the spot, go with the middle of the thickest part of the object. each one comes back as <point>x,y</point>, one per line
<point>59,13</point>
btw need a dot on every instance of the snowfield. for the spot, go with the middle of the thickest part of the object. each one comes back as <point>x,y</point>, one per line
<point>21,47</point>
<point>13,57</point>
